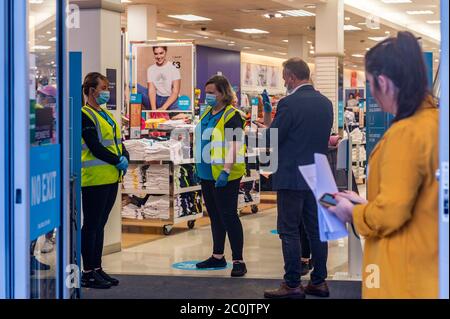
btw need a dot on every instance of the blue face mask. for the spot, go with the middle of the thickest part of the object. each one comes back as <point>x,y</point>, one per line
<point>103,97</point>
<point>211,100</point>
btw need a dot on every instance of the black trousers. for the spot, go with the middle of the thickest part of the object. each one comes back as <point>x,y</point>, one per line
<point>295,207</point>
<point>97,204</point>
<point>304,241</point>
<point>222,205</point>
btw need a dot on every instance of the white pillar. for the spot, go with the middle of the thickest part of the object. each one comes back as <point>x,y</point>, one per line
<point>141,22</point>
<point>330,51</point>
<point>298,47</point>
<point>99,40</point>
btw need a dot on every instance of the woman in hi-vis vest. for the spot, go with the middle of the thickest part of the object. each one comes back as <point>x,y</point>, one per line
<point>104,163</point>
<point>220,159</point>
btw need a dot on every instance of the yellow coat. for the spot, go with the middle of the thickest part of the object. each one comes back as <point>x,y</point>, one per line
<point>400,223</point>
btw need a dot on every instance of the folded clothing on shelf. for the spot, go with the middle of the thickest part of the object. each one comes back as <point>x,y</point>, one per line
<point>157,207</point>
<point>188,204</point>
<point>157,177</point>
<point>186,176</point>
<point>133,179</point>
<point>131,211</point>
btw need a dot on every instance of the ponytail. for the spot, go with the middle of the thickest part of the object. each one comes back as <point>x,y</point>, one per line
<point>401,60</point>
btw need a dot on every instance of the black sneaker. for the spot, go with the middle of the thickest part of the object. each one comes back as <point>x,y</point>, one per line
<point>212,262</point>
<point>93,280</point>
<point>37,265</point>
<point>239,269</point>
<point>113,281</point>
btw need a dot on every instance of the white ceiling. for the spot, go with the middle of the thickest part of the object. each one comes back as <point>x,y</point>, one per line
<point>226,16</point>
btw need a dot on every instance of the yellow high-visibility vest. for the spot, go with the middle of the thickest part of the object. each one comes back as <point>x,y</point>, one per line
<point>94,171</point>
<point>219,147</point>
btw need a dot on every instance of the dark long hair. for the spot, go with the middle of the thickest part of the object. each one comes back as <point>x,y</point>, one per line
<point>401,60</point>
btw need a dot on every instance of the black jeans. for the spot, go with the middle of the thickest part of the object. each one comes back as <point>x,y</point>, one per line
<point>97,204</point>
<point>304,241</point>
<point>295,207</point>
<point>222,205</point>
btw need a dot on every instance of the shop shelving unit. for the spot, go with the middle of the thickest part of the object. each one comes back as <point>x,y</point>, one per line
<point>358,161</point>
<point>172,192</point>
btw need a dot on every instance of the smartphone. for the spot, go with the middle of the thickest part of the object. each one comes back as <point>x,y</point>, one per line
<point>328,200</point>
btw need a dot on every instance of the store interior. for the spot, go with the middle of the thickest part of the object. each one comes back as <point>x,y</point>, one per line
<point>159,224</point>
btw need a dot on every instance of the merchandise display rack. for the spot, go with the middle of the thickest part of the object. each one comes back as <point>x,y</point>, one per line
<point>254,177</point>
<point>359,162</point>
<point>173,191</point>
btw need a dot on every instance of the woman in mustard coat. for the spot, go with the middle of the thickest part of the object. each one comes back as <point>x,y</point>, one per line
<point>399,222</point>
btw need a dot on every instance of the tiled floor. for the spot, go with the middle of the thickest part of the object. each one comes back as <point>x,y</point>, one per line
<point>262,252</point>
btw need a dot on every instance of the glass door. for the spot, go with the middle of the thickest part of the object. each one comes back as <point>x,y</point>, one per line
<point>37,149</point>
<point>4,236</point>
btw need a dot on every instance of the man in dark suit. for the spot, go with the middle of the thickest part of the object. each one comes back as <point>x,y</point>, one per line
<point>304,120</point>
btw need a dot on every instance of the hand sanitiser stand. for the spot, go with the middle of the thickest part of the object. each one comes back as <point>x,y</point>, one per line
<point>345,161</point>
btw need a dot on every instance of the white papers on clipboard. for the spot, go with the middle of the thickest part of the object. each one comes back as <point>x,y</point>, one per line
<point>320,179</point>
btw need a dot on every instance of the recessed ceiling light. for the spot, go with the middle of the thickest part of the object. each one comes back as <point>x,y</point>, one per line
<point>388,32</point>
<point>194,35</point>
<point>396,1</point>
<point>246,48</point>
<point>419,12</point>
<point>49,32</point>
<point>434,22</point>
<point>251,31</point>
<point>362,23</point>
<point>311,52</point>
<point>367,49</point>
<point>309,6</point>
<point>349,27</point>
<point>205,37</point>
<point>309,42</point>
<point>52,39</point>
<point>222,40</point>
<point>261,50</point>
<point>273,15</point>
<point>231,44</point>
<point>347,18</point>
<point>189,17</point>
<point>437,60</point>
<point>286,41</point>
<point>280,53</point>
<point>297,13</point>
<point>40,47</point>
<point>377,39</point>
<point>358,55</point>
<point>125,1</point>
<point>36,1</point>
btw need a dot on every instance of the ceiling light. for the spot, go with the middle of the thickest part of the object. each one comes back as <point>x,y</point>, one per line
<point>377,39</point>
<point>251,31</point>
<point>49,32</point>
<point>396,1</point>
<point>419,12</point>
<point>388,32</point>
<point>280,53</point>
<point>194,35</point>
<point>309,42</point>
<point>367,49</point>
<point>358,55</point>
<point>349,27</point>
<point>273,15</point>
<point>231,44</point>
<point>222,40</point>
<point>261,50</point>
<point>297,13</point>
<point>52,39</point>
<point>437,60</point>
<point>40,47</point>
<point>309,6</point>
<point>286,41</point>
<point>189,17</point>
<point>434,22</point>
<point>347,18</point>
<point>125,1</point>
<point>36,1</point>
<point>362,23</point>
<point>205,37</point>
<point>246,48</point>
<point>311,52</point>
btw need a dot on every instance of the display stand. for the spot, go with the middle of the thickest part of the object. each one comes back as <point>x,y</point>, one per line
<point>359,162</point>
<point>172,192</point>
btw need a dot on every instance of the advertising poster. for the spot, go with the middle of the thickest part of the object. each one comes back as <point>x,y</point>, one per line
<point>262,76</point>
<point>164,76</point>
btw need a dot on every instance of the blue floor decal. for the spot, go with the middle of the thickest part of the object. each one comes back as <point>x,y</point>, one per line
<point>191,265</point>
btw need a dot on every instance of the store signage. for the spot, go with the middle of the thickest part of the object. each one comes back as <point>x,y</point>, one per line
<point>191,265</point>
<point>184,103</point>
<point>111,74</point>
<point>255,101</point>
<point>45,190</point>
<point>341,114</point>
<point>274,232</point>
